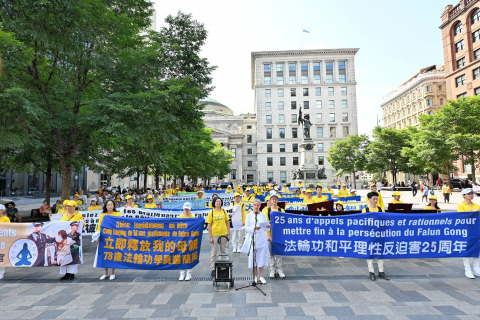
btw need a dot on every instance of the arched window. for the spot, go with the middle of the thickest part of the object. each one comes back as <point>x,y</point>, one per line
<point>475,16</point>
<point>458,28</point>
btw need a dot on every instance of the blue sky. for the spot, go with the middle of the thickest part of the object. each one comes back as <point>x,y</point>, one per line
<point>396,39</point>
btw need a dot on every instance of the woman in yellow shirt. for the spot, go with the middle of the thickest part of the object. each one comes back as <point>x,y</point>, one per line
<point>3,219</point>
<point>309,199</point>
<point>396,197</point>
<point>72,215</point>
<point>342,193</point>
<point>150,204</point>
<point>433,204</point>
<point>94,205</point>
<point>130,202</point>
<point>109,209</point>
<point>63,209</point>
<point>218,225</point>
<point>446,192</point>
<point>187,207</point>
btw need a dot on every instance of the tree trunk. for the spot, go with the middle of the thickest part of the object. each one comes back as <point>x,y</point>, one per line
<point>472,156</point>
<point>138,179</point>
<point>354,180</point>
<point>145,173</point>
<point>66,180</point>
<point>48,180</point>
<point>157,179</point>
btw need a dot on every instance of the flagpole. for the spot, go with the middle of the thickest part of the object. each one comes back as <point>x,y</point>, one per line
<point>303,48</point>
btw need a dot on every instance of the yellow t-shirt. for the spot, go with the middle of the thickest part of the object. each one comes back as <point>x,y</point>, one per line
<point>4,219</point>
<point>229,191</point>
<point>183,216</point>
<point>309,201</point>
<point>343,193</point>
<point>352,195</point>
<point>91,208</point>
<point>371,210</point>
<point>302,196</point>
<point>446,189</point>
<point>133,206</point>
<point>395,201</point>
<point>464,207</point>
<point>150,206</point>
<point>218,221</point>
<point>320,199</point>
<point>100,219</point>
<point>170,191</point>
<point>76,217</point>
<point>219,188</point>
<point>265,210</point>
<point>329,191</point>
<point>430,208</point>
<point>62,210</point>
<point>251,198</point>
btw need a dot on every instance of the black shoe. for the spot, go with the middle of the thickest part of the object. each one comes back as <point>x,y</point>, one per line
<point>72,276</point>
<point>65,277</point>
<point>383,276</point>
<point>213,273</point>
<point>372,276</point>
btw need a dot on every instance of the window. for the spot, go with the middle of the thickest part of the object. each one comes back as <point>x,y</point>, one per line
<point>280,105</point>
<point>459,46</point>
<point>280,74</point>
<point>270,176</point>
<point>283,161</point>
<point>283,176</point>
<point>344,91</point>
<point>305,92</point>
<point>429,89</point>
<point>292,72</point>
<point>345,131</point>
<point>249,163</point>
<point>331,104</point>
<point>319,132</point>
<point>268,106</point>
<point>293,92</point>
<point>321,161</point>
<point>331,91</point>
<point>269,161</point>
<point>249,127</point>
<point>342,72</point>
<point>477,54</point>
<point>249,151</point>
<point>269,119</point>
<point>294,133</point>
<point>441,101</point>
<point>319,118</point>
<point>477,91</point>
<point>306,105</point>
<point>234,174</point>
<point>333,132</point>
<point>476,73</point>
<point>331,117</point>
<point>269,148</point>
<point>458,29</point>
<point>344,117</point>
<point>281,118</point>
<point>319,104</point>
<point>295,147</point>
<point>269,133</point>
<point>329,68</point>
<point>295,161</point>
<point>282,148</point>
<point>476,35</point>
<point>316,72</point>
<point>460,81</point>
<point>268,93</point>
<point>249,138</point>
<point>267,73</point>
<point>304,71</point>
<point>463,95</point>
<point>461,63</point>
<point>280,93</point>
<point>440,88</point>
<point>234,152</point>
<point>281,132</point>
<point>294,105</point>
<point>294,118</point>
<point>429,102</point>
<point>475,16</point>
<point>320,147</point>
<point>318,92</point>
<point>344,104</point>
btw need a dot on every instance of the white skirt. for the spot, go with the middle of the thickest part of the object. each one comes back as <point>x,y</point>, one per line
<point>261,244</point>
<point>72,268</point>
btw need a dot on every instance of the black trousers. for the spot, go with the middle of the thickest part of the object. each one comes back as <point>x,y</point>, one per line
<point>414,191</point>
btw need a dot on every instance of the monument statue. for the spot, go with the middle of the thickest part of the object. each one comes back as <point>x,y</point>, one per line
<point>321,174</point>
<point>305,122</point>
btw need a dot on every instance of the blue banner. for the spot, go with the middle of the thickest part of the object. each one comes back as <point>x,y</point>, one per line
<point>378,235</point>
<point>349,199</point>
<point>197,204</point>
<point>153,244</point>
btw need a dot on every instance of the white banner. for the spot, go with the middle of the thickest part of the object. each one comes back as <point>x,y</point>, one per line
<point>227,198</point>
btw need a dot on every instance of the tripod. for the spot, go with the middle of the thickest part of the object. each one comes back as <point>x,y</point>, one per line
<point>254,283</point>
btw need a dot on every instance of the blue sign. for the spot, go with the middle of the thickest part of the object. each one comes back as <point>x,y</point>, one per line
<point>150,244</point>
<point>349,199</point>
<point>178,205</point>
<point>378,235</point>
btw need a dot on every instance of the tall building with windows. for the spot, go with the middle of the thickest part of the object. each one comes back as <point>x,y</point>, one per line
<point>322,83</point>
<point>424,93</point>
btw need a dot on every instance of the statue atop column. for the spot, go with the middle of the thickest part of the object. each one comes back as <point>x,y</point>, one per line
<point>305,122</point>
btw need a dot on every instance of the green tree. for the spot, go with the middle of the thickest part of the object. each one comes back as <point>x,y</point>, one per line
<point>349,155</point>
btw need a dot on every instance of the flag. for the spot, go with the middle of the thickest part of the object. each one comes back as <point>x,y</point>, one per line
<point>305,31</point>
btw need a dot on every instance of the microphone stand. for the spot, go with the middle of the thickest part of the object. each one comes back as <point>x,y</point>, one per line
<point>254,252</point>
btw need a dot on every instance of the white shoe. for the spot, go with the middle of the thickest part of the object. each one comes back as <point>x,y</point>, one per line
<point>476,271</point>
<point>281,274</point>
<point>234,250</point>
<point>262,280</point>
<point>104,277</point>
<point>182,276</point>
<point>272,274</point>
<point>112,277</point>
<point>188,277</point>
<point>469,274</point>
<point>1,276</point>
<point>256,280</point>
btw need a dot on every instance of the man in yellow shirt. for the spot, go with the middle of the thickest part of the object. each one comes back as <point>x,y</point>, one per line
<point>468,206</point>
<point>396,197</point>
<point>169,190</point>
<point>372,198</point>
<point>304,194</point>
<point>156,197</point>
<point>229,189</point>
<point>285,189</point>
<point>239,190</point>
<point>320,197</point>
<point>130,202</point>
<point>76,198</point>
<point>300,185</point>
<point>309,199</point>
<point>248,195</point>
<point>446,192</point>
<point>329,190</point>
<point>63,209</point>
<point>352,193</point>
<point>380,203</point>
<point>3,219</point>
<point>150,204</point>
<point>94,205</point>
<point>342,193</point>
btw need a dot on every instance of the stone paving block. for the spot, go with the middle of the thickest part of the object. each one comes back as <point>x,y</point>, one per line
<point>381,310</point>
<point>141,298</point>
<point>313,311</point>
<point>138,313</point>
<point>114,314</point>
<point>205,312</point>
<point>294,311</point>
<point>271,311</point>
<point>49,314</point>
<point>246,312</point>
<point>180,312</point>
<point>299,318</point>
<point>430,317</point>
<point>449,310</point>
<point>338,311</point>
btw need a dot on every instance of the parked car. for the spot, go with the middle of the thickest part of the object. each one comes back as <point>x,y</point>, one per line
<point>457,184</point>
<point>224,185</point>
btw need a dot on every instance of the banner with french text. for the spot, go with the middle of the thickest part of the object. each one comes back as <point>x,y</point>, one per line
<point>40,244</point>
<point>153,244</point>
<point>378,235</point>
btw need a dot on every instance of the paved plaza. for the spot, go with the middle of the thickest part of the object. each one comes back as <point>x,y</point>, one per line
<point>315,288</point>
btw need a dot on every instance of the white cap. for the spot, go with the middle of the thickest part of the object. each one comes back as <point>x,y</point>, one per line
<point>465,191</point>
<point>187,205</point>
<point>273,194</point>
<point>353,190</point>
<point>2,207</point>
<point>304,189</point>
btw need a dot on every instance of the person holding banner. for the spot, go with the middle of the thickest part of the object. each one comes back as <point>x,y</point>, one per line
<point>396,197</point>
<point>218,225</point>
<point>274,262</point>
<point>63,209</point>
<point>298,193</point>
<point>343,193</point>
<point>372,198</point>
<point>373,188</point>
<point>109,209</point>
<point>3,219</point>
<point>187,213</point>
<point>150,204</point>
<point>309,199</point>
<point>130,203</point>
<point>248,195</point>
<point>433,204</point>
<point>94,205</point>
<point>352,193</point>
<point>320,197</point>
<point>339,206</point>
<point>329,190</point>
<point>238,220</point>
<point>68,271</point>
<point>468,206</point>
<point>229,189</point>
